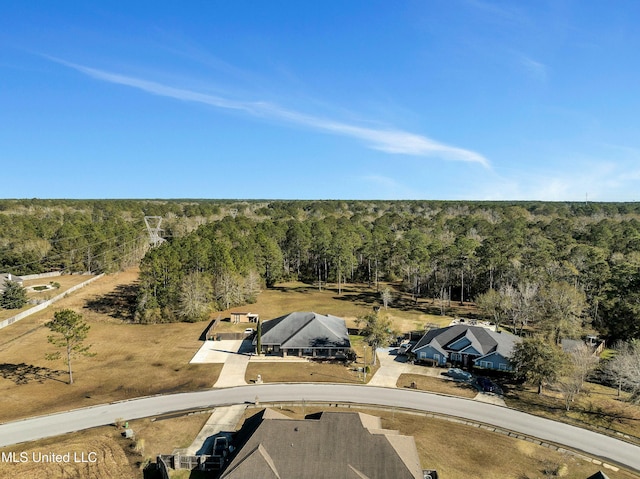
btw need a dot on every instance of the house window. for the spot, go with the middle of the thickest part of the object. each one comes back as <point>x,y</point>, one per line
<point>486,364</point>
<point>502,366</point>
<point>423,355</point>
<point>456,356</point>
<point>436,357</point>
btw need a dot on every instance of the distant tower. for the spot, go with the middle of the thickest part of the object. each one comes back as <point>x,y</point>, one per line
<point>153,227</point>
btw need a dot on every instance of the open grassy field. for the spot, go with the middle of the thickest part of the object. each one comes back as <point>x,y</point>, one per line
<point>136,360</point>
<point>131,360</point>
<point>65,282</point>
<point>355,300</point>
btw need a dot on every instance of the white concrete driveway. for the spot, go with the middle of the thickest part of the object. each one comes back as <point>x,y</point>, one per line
<point>391,367</point>
<point>217,351</point>
<point>234,354</point>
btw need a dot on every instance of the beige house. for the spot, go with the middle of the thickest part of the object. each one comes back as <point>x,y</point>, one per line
<point>244,317</point>
<point>340,445</point>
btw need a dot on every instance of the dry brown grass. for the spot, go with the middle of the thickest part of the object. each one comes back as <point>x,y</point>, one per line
<point>131,360</point>
<point>437,385</point>
<point>162,436</point>
<point>137,360</point>
<point>596,407</point>
<point>282,372</point>
<point>112,460</point>
<point>65,282</point>
<point>116,456</point>
<point>356,300</point>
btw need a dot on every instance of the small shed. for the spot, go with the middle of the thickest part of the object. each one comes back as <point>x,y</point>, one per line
<point>237,317</point>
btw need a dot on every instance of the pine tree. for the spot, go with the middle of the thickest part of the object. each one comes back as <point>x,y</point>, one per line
<point>71,331</point>
<point>14,296</point>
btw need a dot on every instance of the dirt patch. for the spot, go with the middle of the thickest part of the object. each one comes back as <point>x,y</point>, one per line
<point>94,453</point>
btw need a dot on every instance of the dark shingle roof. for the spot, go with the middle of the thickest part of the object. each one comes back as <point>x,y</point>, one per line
<point>483,340</point>
<point>306,330</point>
<point>337,445</point>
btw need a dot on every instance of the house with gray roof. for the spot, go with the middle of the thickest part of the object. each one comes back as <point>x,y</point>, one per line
<point>466,346</point>
<point>305,334</point>
<point>339,445</point>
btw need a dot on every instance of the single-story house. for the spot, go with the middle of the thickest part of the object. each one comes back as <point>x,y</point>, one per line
<point>237,317</point>
<point>305,334</point>
<point>9,277</point>
<point>466,346</point>
<point>333,444</point>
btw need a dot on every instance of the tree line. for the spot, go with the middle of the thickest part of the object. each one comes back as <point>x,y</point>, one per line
<point>583,260</point>
<point>219,253</point>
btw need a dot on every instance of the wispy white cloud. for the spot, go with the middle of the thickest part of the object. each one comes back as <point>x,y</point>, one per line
<point>595,180</point>
<point>510,14</point>
<point>536,69</point>
<point>387,140</point>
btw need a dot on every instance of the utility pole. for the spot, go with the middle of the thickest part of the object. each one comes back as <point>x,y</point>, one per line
<point>153,228</point>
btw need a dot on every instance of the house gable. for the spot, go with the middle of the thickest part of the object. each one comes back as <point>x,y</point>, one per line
<point>471,351</point>
<point>459,344</point>
<point>328,446</point>
<point>493,360</point>
<point>459,340</point>
<point>430,352</point>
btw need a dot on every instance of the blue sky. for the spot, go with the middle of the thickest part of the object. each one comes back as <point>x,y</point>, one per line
<point>431,99</point>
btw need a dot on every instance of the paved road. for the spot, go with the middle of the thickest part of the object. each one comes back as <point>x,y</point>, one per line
<point>598,445</point>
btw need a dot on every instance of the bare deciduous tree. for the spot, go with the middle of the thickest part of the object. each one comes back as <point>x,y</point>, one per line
<point>386,297</point>
<point>195,296</point>
<point>580,364</point>
<point>624,369</point>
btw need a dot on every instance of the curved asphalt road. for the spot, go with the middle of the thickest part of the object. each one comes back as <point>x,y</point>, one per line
<point>594,444</point>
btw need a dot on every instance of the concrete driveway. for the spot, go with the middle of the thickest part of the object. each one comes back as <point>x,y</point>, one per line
<point>391,367</point>
<point>219,351</point>
<point>234,354</point>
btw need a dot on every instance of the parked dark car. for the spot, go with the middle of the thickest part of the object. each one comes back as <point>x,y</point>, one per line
<point>221,446</point>
<point>459,374</point>
<point>487,385</point>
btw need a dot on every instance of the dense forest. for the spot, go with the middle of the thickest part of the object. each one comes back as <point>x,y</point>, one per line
<point>516,259</point>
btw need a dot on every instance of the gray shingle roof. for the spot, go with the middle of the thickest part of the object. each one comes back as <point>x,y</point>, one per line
<point>484,341</point>
<point>337,445</point>
<point>301,330</point>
